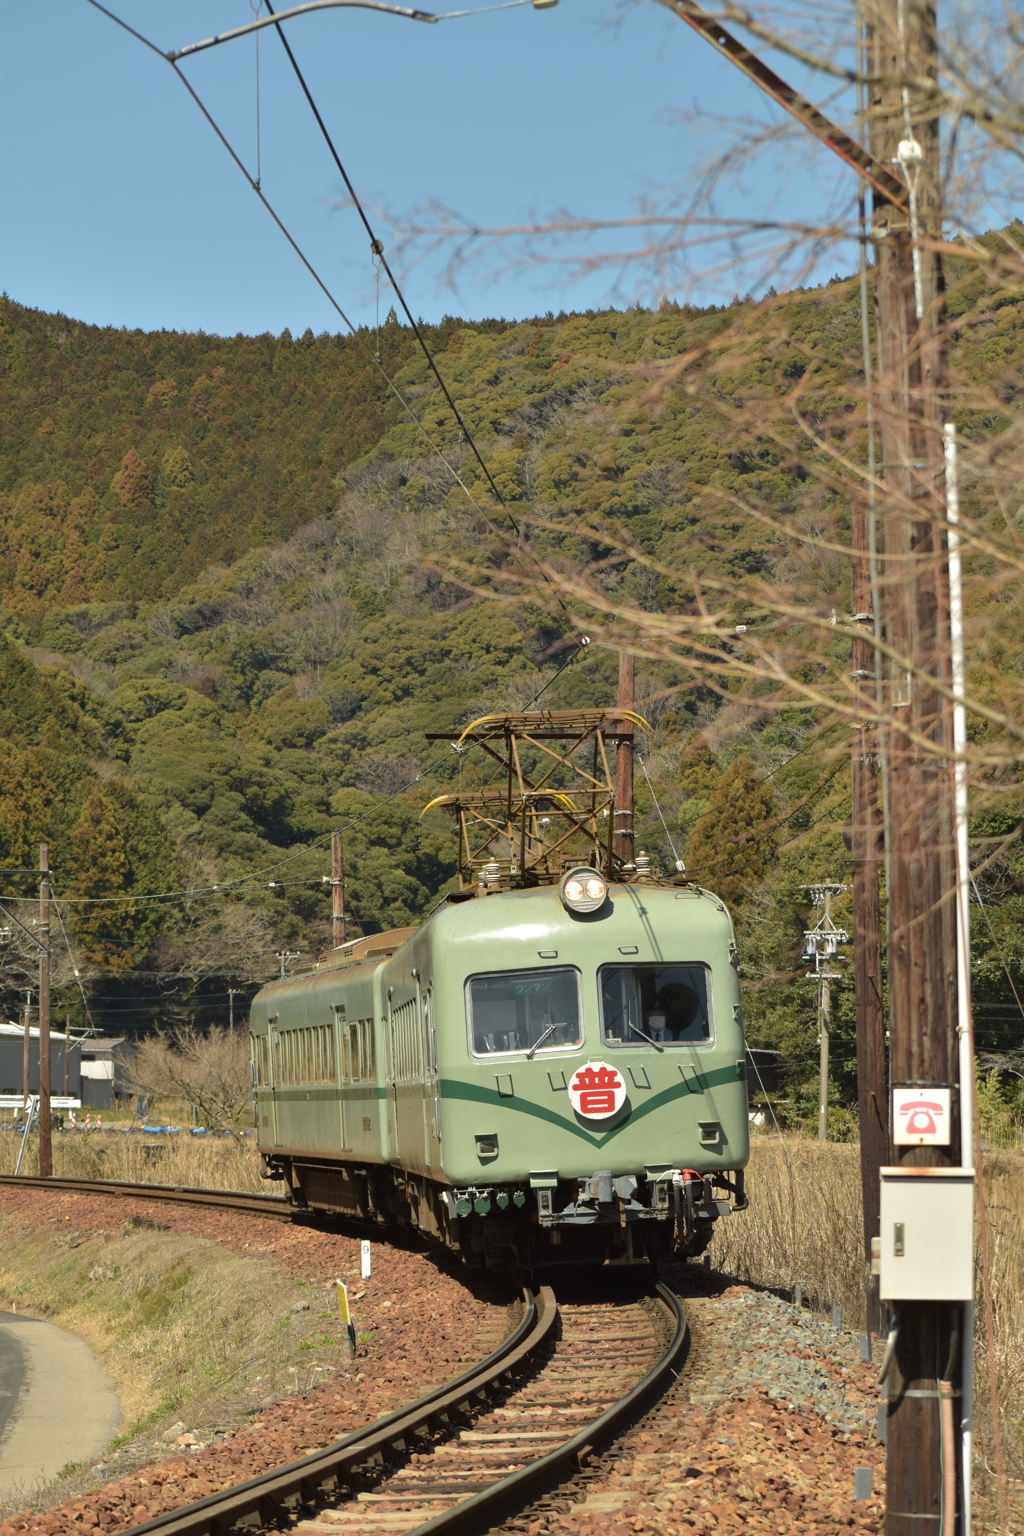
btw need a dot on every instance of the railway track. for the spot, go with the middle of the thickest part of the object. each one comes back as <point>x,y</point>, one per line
<point>274,1206</point>
<point>562,1386</point>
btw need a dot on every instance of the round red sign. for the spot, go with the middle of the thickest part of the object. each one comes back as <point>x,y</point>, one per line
<point>597,1091</point>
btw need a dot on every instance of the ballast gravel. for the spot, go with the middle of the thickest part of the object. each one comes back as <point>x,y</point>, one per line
<point>763,1432</point>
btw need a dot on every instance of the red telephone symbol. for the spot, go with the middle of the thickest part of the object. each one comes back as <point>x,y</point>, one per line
<point>921,1122</point>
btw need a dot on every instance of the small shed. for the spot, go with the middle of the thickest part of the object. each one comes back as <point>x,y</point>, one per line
<point>106,1063</point>
<point>65,1067</point>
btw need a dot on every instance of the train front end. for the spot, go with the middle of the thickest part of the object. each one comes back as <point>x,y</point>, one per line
<point>591,1071</point>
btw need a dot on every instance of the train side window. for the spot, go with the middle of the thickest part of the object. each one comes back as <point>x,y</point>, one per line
<point>664,1005</point>
<point>511,1011</point>
<point>354,1053</point>
<point>369,1050</point>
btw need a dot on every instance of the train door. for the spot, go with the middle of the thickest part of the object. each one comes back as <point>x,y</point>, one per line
<point>431,1090</point>
<point>274,1077</point>
<point>391,1089</point>
<point>341,1070</point>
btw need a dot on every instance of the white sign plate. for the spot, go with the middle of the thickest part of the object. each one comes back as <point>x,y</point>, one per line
<point>920,1117</point>
<point>597,1091</point>
<point>364,1258</point>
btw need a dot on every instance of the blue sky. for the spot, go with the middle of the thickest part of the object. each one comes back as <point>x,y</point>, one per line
<point>120,207</point>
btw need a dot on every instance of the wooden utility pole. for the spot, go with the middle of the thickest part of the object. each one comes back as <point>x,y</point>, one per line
<point>865,859</point>
<point>920,839</point>
<point>337,890</point>
<point>45,1144</point>
<point>622,844</point>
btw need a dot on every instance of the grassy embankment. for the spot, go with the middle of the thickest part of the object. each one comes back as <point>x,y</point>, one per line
<point>184,1327</point>
<point>218,1162</point>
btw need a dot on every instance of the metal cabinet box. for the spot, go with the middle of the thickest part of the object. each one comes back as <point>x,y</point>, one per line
<point>927,1237</point>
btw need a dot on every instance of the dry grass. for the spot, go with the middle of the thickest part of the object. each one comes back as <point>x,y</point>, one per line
<point>804,1227</point>
<point>1004,1190</point>
<point>216,1162</point>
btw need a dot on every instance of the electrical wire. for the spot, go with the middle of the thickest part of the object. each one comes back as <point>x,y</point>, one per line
<point>680,866</point>
<point>377,249</point>
<point>71,957</point>
<point>321,284</point>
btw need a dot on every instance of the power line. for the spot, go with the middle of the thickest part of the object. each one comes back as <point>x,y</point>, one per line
<point>377,249</point>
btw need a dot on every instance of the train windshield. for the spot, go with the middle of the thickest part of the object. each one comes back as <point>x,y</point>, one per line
<point>524,1011</point>
<point>655,1004</point>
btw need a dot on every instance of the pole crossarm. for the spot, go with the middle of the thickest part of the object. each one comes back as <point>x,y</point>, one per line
<point>806,113</point>
<point>296,10</point>
<point>26,931</point>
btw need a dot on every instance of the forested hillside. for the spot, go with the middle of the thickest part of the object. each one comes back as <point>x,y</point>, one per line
<point>228,578</point>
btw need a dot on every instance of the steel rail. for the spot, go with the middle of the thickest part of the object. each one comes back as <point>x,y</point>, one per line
<point>269,1495</point>
<point>274,1206</point>
<point>503,1499</point>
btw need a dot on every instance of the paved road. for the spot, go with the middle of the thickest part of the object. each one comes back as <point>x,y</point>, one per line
<point>57,1404</point>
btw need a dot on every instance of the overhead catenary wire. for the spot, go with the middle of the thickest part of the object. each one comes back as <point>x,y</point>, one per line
<point>376,247</point>
<point>71,955</point>
<point>314,274</point>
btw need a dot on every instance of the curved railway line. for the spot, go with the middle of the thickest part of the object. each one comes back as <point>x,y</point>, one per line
<point>566,1382</point>
<point>274,1206</point>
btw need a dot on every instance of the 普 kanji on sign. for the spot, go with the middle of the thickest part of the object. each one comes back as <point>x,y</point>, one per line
<point>597,1091</point>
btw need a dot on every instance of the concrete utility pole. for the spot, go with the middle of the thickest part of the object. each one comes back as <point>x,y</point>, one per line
<point>337,890</point>
<point>902,53</point>
<point>233,992</point>
<point>45,1143</point>
<point>622,844</point>
<point>821,944</point>
<point>26,1049</point>
<point>286,956</point>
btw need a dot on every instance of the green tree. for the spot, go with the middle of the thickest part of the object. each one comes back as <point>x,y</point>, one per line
<point>177,468</point>
<point>732,846</point>
<point>133,482</point>
<point>698,766</point>
<point>99,873</point>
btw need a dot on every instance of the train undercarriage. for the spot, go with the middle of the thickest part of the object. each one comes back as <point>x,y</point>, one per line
<point>545,1223</point>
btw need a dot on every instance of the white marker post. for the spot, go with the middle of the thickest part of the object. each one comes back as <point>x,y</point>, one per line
<point>345,1315</point>
<point>364,1259</point>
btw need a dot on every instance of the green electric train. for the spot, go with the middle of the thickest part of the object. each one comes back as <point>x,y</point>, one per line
<point>534,1077</point>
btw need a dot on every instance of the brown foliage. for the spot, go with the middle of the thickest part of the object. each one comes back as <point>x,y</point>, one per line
<point>210,1071</point>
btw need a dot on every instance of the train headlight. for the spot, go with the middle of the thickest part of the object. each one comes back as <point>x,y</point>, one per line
<point>584,890</point>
